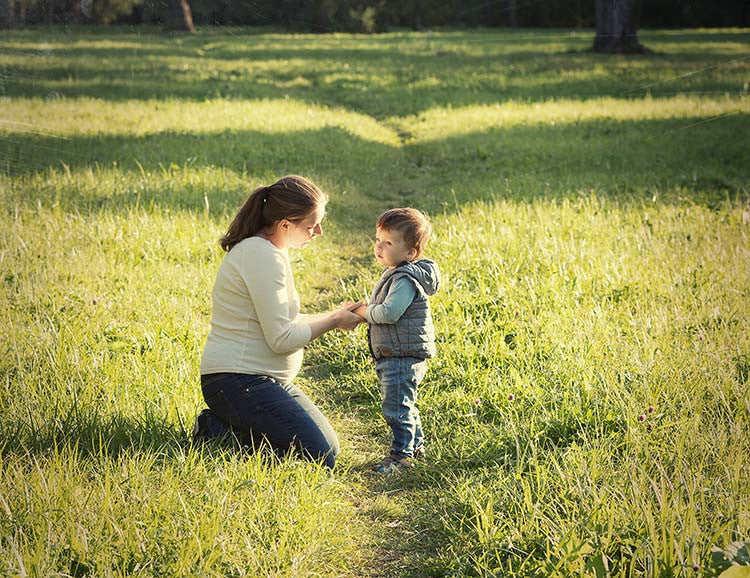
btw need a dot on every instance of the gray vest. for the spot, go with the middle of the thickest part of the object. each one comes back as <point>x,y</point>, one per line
<point>413,335</point>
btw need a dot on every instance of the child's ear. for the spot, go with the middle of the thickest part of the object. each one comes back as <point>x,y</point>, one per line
<point>412,254</point>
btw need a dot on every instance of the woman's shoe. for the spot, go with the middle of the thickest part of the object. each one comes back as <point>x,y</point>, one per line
<point>209,425</point>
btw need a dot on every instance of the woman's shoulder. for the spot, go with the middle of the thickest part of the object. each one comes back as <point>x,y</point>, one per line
<point>256,245</point>
<point>255,249</point>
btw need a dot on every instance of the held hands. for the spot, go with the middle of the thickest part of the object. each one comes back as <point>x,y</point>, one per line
<point>361,310</point>
<point>358,307</point>
<point>347,314</point>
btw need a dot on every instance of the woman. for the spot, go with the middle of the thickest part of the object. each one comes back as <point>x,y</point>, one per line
<point>254,349</point>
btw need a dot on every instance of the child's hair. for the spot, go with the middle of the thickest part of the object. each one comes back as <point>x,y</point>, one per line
<point>292,198</point>
<point>411,223</point>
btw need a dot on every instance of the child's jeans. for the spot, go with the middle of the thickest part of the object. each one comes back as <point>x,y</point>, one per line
<point>399,378</point>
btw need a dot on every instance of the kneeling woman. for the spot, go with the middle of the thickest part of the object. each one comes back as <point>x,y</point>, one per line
<point>254,349</point>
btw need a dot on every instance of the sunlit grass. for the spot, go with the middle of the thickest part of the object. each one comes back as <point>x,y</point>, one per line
<point>441,123</point>
<point>396,73</point>
<point>139,118</point>
<point>180,513</point>
<point>589,406</point>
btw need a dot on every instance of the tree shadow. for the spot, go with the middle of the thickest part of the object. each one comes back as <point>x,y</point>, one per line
<point>629,159</point>
<point>626,159</point>
<point>378,76</point>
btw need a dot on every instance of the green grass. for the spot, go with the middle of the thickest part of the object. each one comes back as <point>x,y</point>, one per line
<point>592,219</point>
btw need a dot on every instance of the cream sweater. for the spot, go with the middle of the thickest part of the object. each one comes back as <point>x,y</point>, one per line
<point>255,325</point>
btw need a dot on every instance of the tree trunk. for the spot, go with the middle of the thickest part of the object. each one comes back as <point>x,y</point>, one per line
<point>181,16</point>
<point>7,13</point>
<point>617,27</point>
<point>23,6</point>
<point>512,18</point>
<point>76,11</point>
<point>187,15</point>
<point>416,15</point>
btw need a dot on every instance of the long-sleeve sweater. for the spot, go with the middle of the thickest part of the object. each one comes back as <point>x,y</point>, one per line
<point>399,298</point>
<point>256,326</point>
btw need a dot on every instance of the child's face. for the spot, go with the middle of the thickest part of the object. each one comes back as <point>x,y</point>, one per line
<point>391,248</point>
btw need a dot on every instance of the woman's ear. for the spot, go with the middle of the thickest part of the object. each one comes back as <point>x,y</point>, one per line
<point>284,224</point>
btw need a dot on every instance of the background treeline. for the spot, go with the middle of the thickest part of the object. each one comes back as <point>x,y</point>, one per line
<point>370,15</point>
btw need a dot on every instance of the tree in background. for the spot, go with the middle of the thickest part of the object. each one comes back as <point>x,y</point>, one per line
<point>101,11</point>
<point>7,14</point>
<point>181,16</point>
<point>511,10</point>
<point>617,21</point>
<point>617,27</point>
<point>13,12</point>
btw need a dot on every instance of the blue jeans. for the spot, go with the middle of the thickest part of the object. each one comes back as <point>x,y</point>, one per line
<point>258,408</point>
<point>399,378</point>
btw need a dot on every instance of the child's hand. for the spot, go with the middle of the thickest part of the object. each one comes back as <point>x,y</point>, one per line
<point>358,307</point>
<point>361,310</point>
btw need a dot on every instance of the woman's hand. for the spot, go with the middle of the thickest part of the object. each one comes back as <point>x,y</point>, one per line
<point>358,307</point>
<point>349,320</point>
<point>346,317</point>
<point>341,318</point>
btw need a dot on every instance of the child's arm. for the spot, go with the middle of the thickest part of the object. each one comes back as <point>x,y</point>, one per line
<point>358,307</point>
<point>399,297</point>
<point>361,311</point>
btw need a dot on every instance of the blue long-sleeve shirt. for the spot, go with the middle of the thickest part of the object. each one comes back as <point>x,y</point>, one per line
<point>400,296</point>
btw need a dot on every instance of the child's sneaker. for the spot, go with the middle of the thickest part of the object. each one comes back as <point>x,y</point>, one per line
<point>393,465</point>
<point>208,425</point>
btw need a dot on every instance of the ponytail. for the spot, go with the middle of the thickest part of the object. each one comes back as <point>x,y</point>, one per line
<point>292,198</point>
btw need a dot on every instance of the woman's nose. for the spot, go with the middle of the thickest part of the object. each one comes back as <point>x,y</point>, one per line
<point>318,230</point>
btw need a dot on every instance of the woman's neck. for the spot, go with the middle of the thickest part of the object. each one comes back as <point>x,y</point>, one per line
<point>276,238</point>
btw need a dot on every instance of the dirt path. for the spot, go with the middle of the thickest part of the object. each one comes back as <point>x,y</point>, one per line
<point>394,545</point>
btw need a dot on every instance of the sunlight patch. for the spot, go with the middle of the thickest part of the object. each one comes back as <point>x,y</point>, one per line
<point>439,123</point>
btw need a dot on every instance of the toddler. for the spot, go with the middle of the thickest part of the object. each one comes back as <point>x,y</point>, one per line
<point>400,330</point>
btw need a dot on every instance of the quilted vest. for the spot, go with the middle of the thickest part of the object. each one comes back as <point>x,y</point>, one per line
<point>413,335</point>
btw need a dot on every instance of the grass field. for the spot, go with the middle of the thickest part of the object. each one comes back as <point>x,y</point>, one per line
<point>589,409</point>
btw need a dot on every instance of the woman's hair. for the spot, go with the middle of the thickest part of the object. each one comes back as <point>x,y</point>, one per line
<point>411,223</point>
<point>291,197</point>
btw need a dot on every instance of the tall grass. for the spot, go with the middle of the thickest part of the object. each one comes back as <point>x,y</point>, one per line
<point>588,410</point>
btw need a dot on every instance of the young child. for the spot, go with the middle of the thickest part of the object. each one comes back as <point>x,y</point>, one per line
<point>400,331</point>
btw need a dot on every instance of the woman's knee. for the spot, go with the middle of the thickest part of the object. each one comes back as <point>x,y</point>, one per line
<point>325,456</point>
<point>324,449</point>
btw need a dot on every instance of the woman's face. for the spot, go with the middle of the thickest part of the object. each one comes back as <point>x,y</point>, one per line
<point>304,231</point>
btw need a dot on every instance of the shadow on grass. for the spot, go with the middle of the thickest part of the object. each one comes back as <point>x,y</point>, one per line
<point>88,433</point>
<point>688,158</point>
<point>380,76</point>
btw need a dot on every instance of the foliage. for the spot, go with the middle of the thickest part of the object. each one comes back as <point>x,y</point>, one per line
<point>108,11</point>
<point>379,15</point>
<point>588,411</point>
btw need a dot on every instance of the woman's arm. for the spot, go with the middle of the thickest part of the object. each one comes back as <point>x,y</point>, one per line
<point>272,298</point>
<point>342,318</point>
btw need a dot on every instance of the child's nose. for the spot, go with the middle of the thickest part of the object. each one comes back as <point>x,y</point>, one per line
<point>318,230</point>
